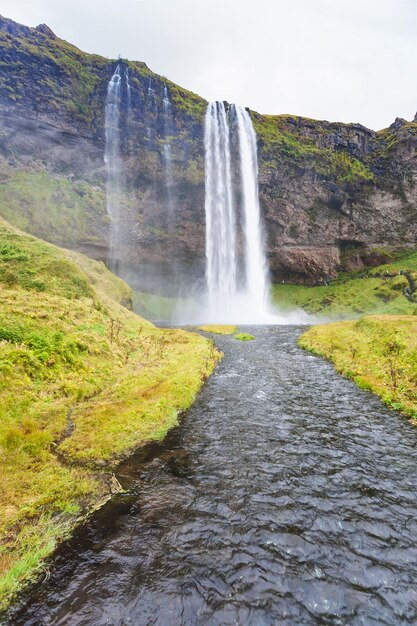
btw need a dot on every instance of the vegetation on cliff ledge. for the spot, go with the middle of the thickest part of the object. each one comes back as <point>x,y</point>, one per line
<point>83,382</point>
<point>31,59</point>
<point>378,352</point>
<point>300,143</point>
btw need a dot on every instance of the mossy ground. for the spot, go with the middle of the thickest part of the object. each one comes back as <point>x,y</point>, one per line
<point>378,290</point>
<point>218,329</point>
<point>244,337</point>
<point>83,382</point>
<point>378,352</point>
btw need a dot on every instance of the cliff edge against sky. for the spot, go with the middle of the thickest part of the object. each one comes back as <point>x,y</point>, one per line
<point>333,196</point>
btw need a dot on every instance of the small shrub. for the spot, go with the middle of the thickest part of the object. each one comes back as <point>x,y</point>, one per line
<point>12,439</point>
<point>12,335</point>
<point>9,278</point>
<point>385,293</point>
<point>12,252</point>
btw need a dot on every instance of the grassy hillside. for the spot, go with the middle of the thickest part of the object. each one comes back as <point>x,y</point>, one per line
<point>378,352</point>
<point>83,382</point>
<point>379,290</point>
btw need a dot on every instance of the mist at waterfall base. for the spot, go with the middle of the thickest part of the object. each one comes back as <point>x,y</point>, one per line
<point>236,286</point>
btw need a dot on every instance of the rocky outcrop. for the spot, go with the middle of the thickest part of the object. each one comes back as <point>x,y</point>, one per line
<point>333,196</point>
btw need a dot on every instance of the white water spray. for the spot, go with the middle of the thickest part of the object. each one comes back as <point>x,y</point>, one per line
<point>128,95</point>
<point>237,292</point>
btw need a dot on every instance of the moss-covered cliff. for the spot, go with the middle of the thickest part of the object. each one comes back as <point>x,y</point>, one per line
<point>333,195</point>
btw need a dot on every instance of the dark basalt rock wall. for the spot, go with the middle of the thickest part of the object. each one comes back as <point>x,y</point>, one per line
<point>333,196</point>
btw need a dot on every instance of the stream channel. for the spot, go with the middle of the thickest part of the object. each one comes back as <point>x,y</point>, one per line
<point>286,496</point>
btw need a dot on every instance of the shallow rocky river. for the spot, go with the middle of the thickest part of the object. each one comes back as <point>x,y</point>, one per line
<point>287,496</point>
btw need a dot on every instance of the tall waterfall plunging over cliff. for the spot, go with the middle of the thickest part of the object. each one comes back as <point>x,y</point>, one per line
<point>219,208</point>
<point>237,280</point>
<point>236,274</point>
<point>113,160</point>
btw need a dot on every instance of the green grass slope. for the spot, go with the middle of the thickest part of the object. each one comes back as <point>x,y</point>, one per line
<point>379,291</point>
<point>83,382</point>
<point>378,352</point>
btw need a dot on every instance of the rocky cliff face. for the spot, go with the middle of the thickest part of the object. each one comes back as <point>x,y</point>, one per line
<point>333,196</point>
<point>336,194</point>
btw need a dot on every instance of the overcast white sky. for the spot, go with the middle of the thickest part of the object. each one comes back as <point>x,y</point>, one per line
<point>340,60</point>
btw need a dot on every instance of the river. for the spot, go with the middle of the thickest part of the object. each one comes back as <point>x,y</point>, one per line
<point>287,496</point>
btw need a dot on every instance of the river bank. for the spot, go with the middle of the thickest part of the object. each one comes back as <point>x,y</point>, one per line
<point>378,353</point>
<point>286,496</point>
<point>83,383</point>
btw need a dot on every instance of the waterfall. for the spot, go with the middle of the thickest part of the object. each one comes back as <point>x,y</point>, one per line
<point>167,151</point>
<point>151,112</point>
<point>237,290</point>
<point>220,217</point>
<point>256,266</point>
<point>112,159</point>
<point>128,95</point>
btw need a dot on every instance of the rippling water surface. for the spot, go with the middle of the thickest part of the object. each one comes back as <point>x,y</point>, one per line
<point>287,496</point>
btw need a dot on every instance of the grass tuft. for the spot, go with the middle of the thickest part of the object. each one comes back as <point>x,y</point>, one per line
<point>244,337</point>
<point>218,329</point>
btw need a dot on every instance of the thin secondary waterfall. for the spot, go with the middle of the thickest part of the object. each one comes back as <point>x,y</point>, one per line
<point>237,281</point>
<point>167,150</point>
<point>151,112</point>
<point>112,159</point>
<point>128,94</point>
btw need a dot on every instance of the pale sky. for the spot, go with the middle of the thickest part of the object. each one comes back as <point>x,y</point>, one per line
<point>340,60</point>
